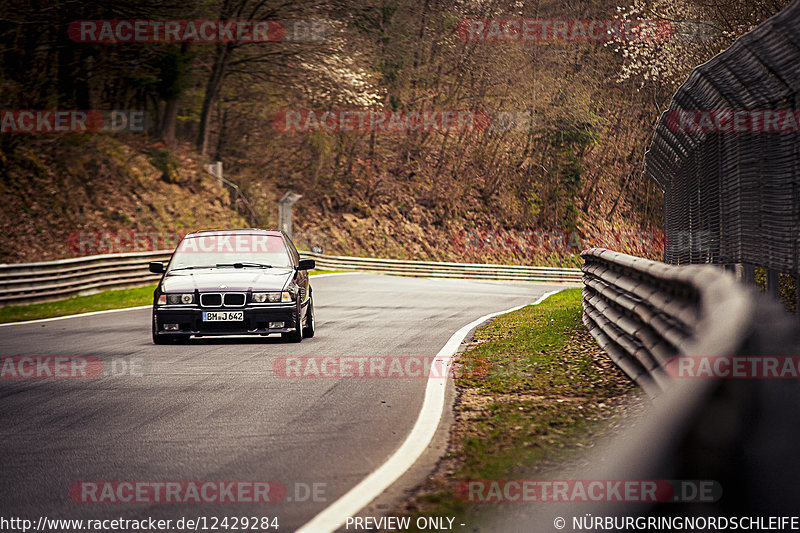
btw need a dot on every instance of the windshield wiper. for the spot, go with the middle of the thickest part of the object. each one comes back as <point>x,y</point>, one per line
<point>244,265</point>
<point>190,267</point>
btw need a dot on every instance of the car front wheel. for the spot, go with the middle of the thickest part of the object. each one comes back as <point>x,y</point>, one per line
<point>297,334</point>
<point>308,330</point>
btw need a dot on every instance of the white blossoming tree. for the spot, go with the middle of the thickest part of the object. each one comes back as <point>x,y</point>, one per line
<point>691,32</point>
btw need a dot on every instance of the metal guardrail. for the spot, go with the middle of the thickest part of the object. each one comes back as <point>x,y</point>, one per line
<point>34,282</point>
<point>737,433</point>
<point>48,280</point>
<point>447,270</point>
<point>643,313</point>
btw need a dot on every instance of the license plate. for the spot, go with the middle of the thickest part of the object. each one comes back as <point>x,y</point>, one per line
<point>223,316</point>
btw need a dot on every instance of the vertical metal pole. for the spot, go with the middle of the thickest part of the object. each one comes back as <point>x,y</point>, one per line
<point>285,219</point>
<point>797,295</point>
<point>739,271</point>
<point>285,212</point>
<point>749,274</point>
<point>773,285</point>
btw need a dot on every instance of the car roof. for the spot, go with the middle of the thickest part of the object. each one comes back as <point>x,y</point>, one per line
<point>236,231</point>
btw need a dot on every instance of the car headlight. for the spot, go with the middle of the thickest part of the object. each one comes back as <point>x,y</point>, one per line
<point>187,298</point>
<point>271,297</point>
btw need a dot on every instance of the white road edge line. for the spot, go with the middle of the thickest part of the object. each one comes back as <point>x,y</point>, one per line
<point>75,316</point>
<point>79,315</point>
<point>335,515</point>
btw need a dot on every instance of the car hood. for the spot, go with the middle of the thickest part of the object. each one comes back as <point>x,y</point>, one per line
<point>227,279</point>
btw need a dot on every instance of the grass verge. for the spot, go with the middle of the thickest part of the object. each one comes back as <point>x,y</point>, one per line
<point>100,301</point>
<point>534,391</point>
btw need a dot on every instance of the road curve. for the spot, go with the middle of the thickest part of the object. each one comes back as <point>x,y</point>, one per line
<point>215,410</point>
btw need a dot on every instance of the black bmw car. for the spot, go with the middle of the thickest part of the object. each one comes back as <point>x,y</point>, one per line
<point>233,282</point>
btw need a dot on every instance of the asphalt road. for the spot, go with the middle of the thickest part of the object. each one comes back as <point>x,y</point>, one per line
<point>215,410</point>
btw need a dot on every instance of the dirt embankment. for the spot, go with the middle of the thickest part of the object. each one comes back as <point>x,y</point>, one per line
<point>79,195</point>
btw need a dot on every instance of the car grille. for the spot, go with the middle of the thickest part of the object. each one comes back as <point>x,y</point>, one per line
<point>233,299</point>
<point>227,299</point>
<point>211,300</point>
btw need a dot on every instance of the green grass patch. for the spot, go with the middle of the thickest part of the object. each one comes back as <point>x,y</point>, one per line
<point>101,301</point>
<point>524,351</point>
<point>318,272</point>
<point>533,392</point>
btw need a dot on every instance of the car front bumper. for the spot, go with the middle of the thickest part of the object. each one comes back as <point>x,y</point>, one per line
<point>256,320</point>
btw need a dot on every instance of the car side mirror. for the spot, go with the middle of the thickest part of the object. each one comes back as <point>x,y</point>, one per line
<point>306,264</point>
<point>157,267</point>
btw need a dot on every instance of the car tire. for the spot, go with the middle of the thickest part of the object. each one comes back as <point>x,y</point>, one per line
<point>297,334</point>
<point>310,327</point>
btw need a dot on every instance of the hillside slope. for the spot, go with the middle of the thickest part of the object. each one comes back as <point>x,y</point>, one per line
<point>565,176</point>
<point>59,193</point>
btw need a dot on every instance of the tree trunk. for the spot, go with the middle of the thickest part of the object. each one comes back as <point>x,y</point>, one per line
<point>169,120</point>
<point>213,87</point>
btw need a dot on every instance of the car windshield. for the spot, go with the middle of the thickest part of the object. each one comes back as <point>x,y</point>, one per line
<point>228,251</point>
